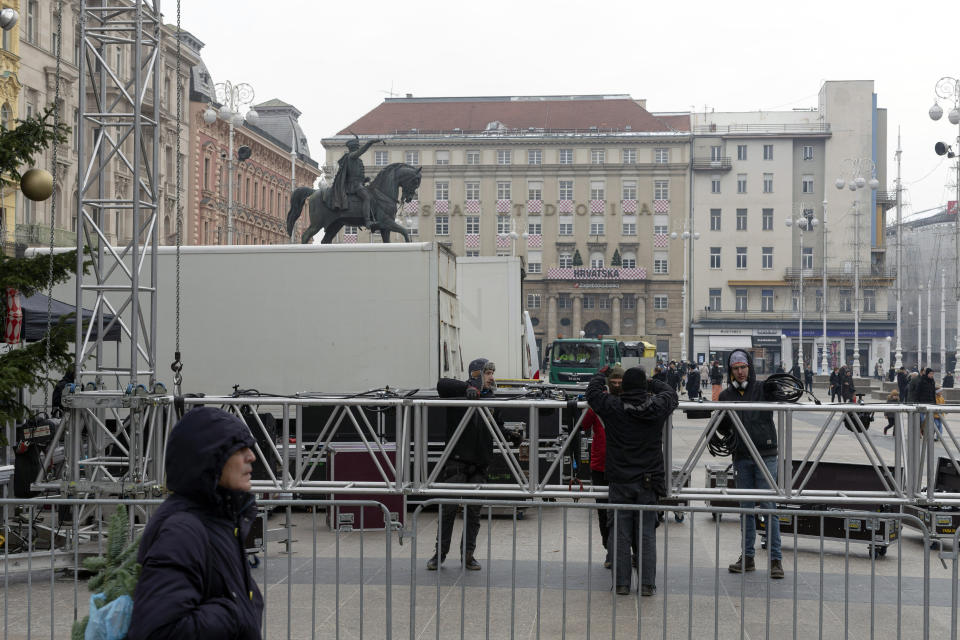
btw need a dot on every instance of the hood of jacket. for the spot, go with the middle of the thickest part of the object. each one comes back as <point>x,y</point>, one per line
<point>198,448</point>
<point>751,374</point>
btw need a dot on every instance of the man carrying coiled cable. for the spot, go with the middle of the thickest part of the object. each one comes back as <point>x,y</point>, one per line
<point>759,425</point>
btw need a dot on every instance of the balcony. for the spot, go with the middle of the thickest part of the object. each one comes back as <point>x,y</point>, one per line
<point>814,128</point>
<point>789,317</point>
<point>38,235</point>
<point>867,274</point>
<point>712,164</point>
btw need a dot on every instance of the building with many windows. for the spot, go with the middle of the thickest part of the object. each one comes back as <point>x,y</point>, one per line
<point>751,172</point>
<point>586,189</point>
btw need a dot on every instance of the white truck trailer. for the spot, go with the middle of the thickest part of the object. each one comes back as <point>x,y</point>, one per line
<point>289,318</point>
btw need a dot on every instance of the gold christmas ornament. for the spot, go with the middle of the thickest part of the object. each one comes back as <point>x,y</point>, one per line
<point>37,184</point>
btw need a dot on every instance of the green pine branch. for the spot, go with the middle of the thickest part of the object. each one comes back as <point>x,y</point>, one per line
<point>31,135</point>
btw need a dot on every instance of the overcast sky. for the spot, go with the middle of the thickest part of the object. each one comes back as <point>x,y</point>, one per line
<point>337,60</point>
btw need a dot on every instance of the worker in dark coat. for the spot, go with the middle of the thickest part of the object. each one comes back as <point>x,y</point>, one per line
<point>693,383</point>
<point>196,581</point>
<point>635,469</point>
<point>902,379</point>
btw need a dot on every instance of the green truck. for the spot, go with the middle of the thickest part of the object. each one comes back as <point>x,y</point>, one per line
<point>576,360</point>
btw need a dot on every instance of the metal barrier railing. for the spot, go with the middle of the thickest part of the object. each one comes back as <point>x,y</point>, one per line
<point>541,576</point>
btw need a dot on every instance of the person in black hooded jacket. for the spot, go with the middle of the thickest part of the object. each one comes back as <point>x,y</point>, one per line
<point>743,387</point>
<point>635,473</point>
<point>195,580</point>
<point>468,460</point>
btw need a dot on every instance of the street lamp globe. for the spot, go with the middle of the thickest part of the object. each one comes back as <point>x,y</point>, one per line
<point>874,184</point>
<point>936,111</point>
<point>954,116</point>
<point>209,116</point>
<point>788,222</point>
<point>686,235</point>
<point>253,117</point>
<point>225,112</point>
<point>674,236</point>
<point>861,182</point>
<point>852,186</point>
<point>840,183</point>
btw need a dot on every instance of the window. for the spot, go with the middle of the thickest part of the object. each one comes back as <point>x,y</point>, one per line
<point>660,223</point>
<point>629,156</point>
<point>629,190</point>
<point>714,299</point>
<point>715,257</point>
<point>741,183</point>
<point>768,152</point>
<point>741,152</point>
<point>503,190</point>
<point>534,227</point>
<point>472,190</point>
<point>629,225</point>
<point>715,184</point>
<point>741,257</point>
<point>661,189</point>
<point>766,300</point>
<point>596,260</point>
<point>661,156</point>
<point>534,156</point>
<point>766,258</point>
<point>441,189</point>
<point>716,153</point>
<point>472,225</point>
<point>473,157</point>
<point>741,299</point>
<point>442,157</point>
<point>596,226</point>
<point>629,260</point>
<point>629,302</point>
<point>565,262</point>
<point>795,300</point>
<point>32,18</point>
<point>768,183</point>
<point>473,253</point>
<point>660,262</point>
<point>206,173</point>
<point>589,302</point>
<point>807,261</point>
<point>349,230</point>
<point>741,219</point>
<point>807,152</point>
<point>564,301</point>
<point>870,301</point>
<point>598,156</point>
<point>565,156</point>
<point>806,186</point>
<point>819,300</point>
<point>714,219</point>
<point>534,261</point>
<point>442,225</point>
<point>767,217</point>
<point>565,226</point>
<point>603,302</point>
<point>411,157</point>
<point>565,189</point>
<point>533,301</point>
<point>503,224</point>
<point>504,156</point>
<point>598,190</point>
<point>845,300</point>
<point>660,302</point>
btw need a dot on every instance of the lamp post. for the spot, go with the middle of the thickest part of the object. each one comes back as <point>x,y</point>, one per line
<point>687,236</point>
<point>943,324</point>
<point>854,178</point>
<point>929,327</point>
<point>806,222</point>
<point>232,97</point>
<point>824,365</point>
<point>948,89</point>
<point>899,356</point>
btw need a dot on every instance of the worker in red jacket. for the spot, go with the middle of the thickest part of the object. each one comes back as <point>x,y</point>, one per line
<point>598,454</point>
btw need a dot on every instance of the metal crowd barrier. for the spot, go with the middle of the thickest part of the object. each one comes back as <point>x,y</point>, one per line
<point>541,577</point>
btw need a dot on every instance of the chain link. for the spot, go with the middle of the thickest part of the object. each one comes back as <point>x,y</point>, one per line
<point>177,365</point>
<point>53,198</point>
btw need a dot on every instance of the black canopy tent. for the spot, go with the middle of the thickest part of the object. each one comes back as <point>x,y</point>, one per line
<point>35,318</point>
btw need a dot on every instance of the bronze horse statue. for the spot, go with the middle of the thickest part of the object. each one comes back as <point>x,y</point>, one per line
<point>383,191</point>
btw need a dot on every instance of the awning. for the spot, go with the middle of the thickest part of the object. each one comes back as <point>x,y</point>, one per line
<point>729,343</point>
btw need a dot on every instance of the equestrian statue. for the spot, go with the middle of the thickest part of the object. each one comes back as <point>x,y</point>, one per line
<point>354,200</point>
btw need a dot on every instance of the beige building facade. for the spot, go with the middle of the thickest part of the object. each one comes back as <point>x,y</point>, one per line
<point>586,189</point>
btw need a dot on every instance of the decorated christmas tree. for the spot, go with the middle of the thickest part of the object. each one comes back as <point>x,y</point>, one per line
<point>577,260</point>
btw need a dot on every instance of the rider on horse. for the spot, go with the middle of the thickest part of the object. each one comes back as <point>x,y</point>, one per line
<point>350,180</point>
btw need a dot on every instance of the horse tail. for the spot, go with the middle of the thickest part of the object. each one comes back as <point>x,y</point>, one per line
<point>300,194</point>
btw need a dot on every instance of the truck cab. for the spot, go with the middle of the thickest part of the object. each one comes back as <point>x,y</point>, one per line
<point>576,360</point>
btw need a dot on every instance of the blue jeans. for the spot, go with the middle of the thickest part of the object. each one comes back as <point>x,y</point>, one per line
<point>749,476</point>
